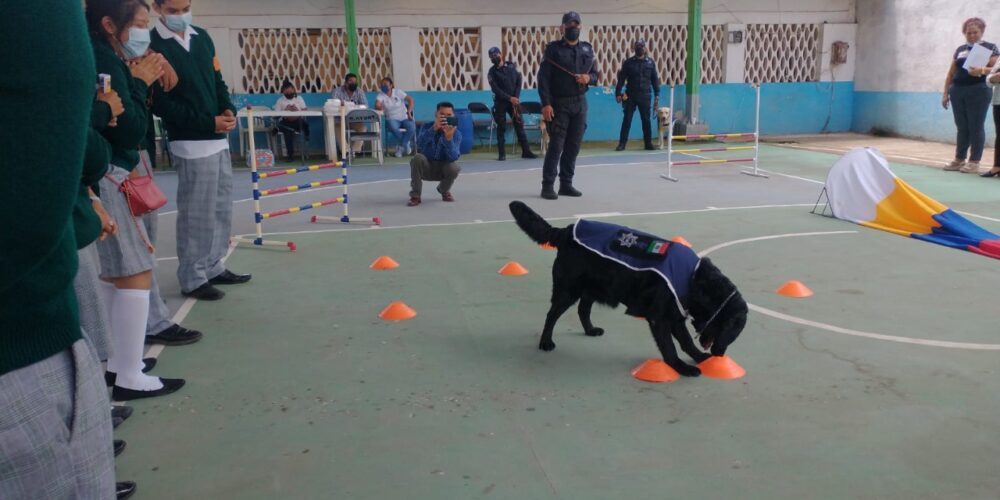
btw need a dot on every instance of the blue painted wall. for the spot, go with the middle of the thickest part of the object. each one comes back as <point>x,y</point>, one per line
<point>786,108</point>
<point>911,114</point>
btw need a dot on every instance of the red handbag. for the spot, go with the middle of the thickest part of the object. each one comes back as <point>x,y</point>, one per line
<point>143,195</point>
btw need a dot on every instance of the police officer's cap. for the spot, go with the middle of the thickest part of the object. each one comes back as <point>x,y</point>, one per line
<point>570,17</point>
<point>639,42</point>
<point>494,51</point>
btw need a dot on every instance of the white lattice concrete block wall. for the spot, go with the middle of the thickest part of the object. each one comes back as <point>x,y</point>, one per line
<point>782,52</point>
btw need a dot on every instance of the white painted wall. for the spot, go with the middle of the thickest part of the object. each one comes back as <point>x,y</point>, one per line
<point>907,45</point>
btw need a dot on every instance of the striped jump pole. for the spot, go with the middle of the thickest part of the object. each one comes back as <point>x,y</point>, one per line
<point>295,210</point>
<point>711,161</point>
<point>346,218</point>
<point>756,141</point>
<point>258,240</point>
<point>670,141</point>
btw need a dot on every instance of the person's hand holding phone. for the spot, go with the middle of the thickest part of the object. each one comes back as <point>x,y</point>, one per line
<point>448,126</point>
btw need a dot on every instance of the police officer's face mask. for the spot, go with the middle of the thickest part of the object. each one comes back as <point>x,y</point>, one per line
<point>573,33</point>
<point>640,51</point>
<point>495,60</point>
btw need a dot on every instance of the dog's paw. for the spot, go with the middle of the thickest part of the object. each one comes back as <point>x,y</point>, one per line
<point>546,345</point>
<point>687,370</point>
<point>595,332</point>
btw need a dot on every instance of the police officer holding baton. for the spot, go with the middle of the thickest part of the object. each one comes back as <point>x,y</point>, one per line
<point>505,81</point>
<point>568,68</point>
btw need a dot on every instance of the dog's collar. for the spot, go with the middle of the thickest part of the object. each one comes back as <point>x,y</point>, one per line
<point>717,311</point>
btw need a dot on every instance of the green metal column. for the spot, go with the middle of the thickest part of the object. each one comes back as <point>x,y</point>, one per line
<point>353,61</point>
<point>693,65</point>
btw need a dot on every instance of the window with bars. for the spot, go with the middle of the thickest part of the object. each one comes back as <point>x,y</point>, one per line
<point>315,60</point>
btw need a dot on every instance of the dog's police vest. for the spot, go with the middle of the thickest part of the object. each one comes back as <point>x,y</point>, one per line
<point>639,251</point>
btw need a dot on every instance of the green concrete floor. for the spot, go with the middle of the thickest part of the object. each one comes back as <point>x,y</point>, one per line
<point>300,392</point>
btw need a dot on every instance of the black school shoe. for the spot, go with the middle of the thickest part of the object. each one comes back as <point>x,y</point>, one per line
<point>109,377</point>
<point>119,445</point>
<point>228,277</point>
<point>124,489</point>
<point>174,335</point>
<point>205,292</point>
<point>169,385</point>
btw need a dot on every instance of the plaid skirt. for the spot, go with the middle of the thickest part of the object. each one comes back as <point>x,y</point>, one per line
<point>127,253</point>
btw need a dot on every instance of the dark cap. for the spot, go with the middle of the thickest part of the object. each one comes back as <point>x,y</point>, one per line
<point>639,43</point>
<point>570,17</point>
<point>494,51</point>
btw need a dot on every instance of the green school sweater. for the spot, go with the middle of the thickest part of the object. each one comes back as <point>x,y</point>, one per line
<point>86,222</point>
<point>189,110</point>
<point>130,132</point>
<point>48,80</point>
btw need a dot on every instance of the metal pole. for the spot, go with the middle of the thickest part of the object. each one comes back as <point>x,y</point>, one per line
<point>353,61</point>
<point>756,138</point>
<point>670,140</point>
<point>693,65</point>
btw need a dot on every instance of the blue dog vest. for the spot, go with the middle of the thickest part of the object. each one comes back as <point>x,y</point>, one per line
<point>639,251</point>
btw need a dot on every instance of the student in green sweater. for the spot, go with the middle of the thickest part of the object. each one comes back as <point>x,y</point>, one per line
<point>54,420</point>
<point>127,259</point>
<point>198,114</point>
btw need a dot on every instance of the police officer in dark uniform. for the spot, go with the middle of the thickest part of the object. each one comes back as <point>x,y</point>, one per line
<point>505,80</point>
<point>568,68</point>
<point>642,80</point>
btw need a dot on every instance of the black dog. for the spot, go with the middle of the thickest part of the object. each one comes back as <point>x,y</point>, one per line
<point>719,312</point>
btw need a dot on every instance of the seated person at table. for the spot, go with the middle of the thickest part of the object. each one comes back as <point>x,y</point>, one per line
<point>288,126</point>
<point>438,142</point>
<point>350,93</point>
<point>398,110</point>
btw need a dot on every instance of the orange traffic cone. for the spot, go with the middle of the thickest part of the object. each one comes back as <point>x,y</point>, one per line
<point>384,263</point>
<point>547,246</point>
<point>721,367</point>
<point>512,268</point>
<point>397,311</point>
<point>655,370</point>
<point>681,240</point>
<point>794,289</point>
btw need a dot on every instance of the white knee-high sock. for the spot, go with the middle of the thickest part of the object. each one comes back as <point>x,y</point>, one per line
<point>129,310</point>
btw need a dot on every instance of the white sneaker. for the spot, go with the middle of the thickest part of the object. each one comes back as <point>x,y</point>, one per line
<point>399,152</point>
<point>954,166</point>
<point>970,168</point>
<point>409,150</point>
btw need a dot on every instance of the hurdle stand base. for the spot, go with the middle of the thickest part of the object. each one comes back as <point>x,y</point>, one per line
<point>260,242</point>
<point>751,173</point>
<point>344,219</point>
<point>669,178</point>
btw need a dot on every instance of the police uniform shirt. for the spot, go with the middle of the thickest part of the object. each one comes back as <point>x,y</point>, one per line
<point>641,75</point>
<point>553,82</point>
<point>505,81</point>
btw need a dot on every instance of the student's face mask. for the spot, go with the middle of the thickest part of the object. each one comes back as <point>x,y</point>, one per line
<point>178,22</point>
<point>137,44</point>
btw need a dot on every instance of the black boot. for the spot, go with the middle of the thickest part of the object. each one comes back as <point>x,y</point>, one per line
<point>569,190</point>
<point>620,147</point>
<point>650,146</point>
<point>526,152</point>
<point>548,193</point>
<point>502,156</point>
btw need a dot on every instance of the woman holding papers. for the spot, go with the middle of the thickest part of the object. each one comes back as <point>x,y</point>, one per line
<point>965,87</point>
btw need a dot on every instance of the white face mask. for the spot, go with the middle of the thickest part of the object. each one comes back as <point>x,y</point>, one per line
<point>137,44</point>
<point>178,22</point>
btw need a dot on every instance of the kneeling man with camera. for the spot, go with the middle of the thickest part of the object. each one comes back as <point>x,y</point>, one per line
<point>437,153</point>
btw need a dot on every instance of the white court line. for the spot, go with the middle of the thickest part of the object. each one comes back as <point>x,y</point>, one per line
<point>836,329</point>
<point>182,312</point>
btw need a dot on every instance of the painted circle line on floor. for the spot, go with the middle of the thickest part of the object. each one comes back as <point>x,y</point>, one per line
<point>836,329</point>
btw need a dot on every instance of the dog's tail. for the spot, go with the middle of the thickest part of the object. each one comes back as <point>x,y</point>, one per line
<point>537,228</point>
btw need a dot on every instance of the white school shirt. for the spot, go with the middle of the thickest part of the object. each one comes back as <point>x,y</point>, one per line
<point>190,150</point>
<point>283,103</point>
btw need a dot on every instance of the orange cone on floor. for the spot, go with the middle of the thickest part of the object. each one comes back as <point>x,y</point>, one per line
<point>794,289</point>
<point>681,240</point>
<point>384,263</point>
<point>655,370</point>
<point>397,311</point>
<point>547,246</point>
<point>512,268</point>
<point>721,367</point>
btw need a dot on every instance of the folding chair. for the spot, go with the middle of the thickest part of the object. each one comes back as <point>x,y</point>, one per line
<point>372,132</point>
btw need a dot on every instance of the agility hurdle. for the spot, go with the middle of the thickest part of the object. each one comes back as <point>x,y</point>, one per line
<point>667,115</point>
<point>260,217</point>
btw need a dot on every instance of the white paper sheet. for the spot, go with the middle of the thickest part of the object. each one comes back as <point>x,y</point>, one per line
<point>978,57</point>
